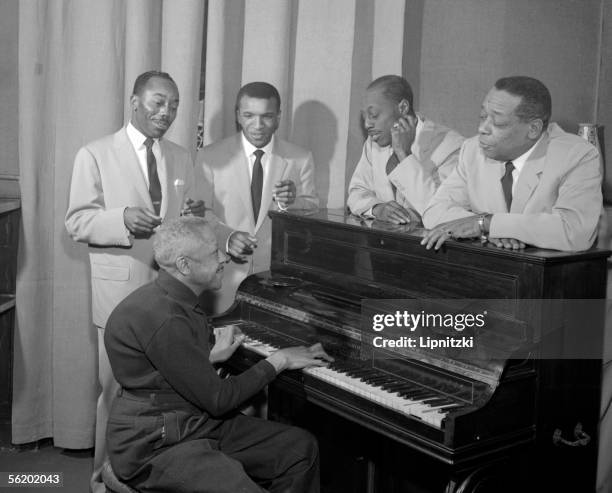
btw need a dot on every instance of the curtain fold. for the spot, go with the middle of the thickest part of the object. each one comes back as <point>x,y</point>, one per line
<point>77,63</point>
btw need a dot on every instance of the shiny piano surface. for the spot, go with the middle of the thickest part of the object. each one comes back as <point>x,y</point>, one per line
<point>457,411</point>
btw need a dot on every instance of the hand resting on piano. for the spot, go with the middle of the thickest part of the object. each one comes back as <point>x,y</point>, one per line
<point>298,357</point>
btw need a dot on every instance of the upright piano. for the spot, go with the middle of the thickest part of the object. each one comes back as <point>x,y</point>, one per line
<point>517,412</point>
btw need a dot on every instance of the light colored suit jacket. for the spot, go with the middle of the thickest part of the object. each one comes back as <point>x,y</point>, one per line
<point>106,179</point>
<point>556,202</point>
<point>222,170</point>
<point>434,156</point>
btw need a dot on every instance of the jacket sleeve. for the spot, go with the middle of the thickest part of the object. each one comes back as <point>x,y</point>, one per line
<point>194,377</point>
<point>87,219</point>
<point>204,189</point>
<point>306,195</point>
<point>419,175</point>
<point>572,222</point>
<point>361,193</point>
<point>451,201</point>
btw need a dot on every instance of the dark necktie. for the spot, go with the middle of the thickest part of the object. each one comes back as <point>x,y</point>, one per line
<point>392,162</point>
<point>506,183</point>
<point>257,183</point>
<point>154,185</point>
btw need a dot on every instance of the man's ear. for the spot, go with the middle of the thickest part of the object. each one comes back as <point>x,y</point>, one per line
<point>404,108</point>
<point>134,102</point>
<point>535,128</point>
<point>182,265</point>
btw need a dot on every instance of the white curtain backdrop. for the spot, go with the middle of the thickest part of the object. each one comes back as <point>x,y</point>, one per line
<point>77,63</point>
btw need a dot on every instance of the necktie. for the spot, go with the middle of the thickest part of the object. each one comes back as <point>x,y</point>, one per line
<point>392,162</point>
<point>506,183</point>
<point>154,185</point>
<point>257,183</point>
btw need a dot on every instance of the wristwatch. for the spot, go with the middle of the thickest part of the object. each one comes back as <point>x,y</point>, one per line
<point>483,231</point>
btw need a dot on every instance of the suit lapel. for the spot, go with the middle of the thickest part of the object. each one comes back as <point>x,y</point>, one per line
<point>423,143</point>
<point>166,177</point>
<point>128,163</point>
<point>276,168</point>
<point>530,177</point>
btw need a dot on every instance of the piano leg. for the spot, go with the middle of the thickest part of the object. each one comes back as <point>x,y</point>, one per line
<point>371,477</point>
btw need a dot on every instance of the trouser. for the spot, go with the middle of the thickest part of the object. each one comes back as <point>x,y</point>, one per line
<point>109,389</point>
<point>162,447</point>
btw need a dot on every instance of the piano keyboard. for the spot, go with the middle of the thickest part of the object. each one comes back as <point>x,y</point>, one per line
<point>372,384</point>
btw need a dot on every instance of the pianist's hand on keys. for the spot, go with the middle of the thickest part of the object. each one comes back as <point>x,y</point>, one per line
<point>298,357</point>
<point>227,339</point>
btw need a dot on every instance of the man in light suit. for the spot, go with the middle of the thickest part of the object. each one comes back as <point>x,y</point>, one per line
<point>521,180</point>
<point>123,186</point>
<point>404,159</point>
<point>248,174</point>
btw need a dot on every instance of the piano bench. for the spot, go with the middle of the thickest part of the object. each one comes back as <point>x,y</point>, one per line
<point>112,483</point>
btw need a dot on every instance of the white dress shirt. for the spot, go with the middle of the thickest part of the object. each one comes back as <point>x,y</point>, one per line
<point>249,150</point>
<point>518,163</point>
<point>137,139</point>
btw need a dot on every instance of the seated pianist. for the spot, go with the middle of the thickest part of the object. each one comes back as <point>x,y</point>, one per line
<point>404,159</point>
<point>174,424</point>
<point>521,180</point>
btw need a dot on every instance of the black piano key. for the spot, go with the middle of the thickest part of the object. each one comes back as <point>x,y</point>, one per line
<point>345,367</point>
<point>359,372</point>
<point>341,366</point>
<point>404,390</point>
<point>376,377</point>
<point>418,395</point>
<point>370,378</point>
<point>396,386</point>
<point>379,381</point>
<point>436,401</point>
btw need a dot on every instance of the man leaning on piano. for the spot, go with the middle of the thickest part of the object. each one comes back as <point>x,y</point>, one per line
<point>521,180</point>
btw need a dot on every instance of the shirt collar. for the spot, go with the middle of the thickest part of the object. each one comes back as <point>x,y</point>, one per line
<point>137,138</point>
<point>520,161</point>
<point>176,289</point>
<point>249,148</point>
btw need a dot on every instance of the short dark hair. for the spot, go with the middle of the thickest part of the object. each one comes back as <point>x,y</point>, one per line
<point>142,79</point>
<point>394,88</point>
<point>260,90</point>
<point>536,101</point>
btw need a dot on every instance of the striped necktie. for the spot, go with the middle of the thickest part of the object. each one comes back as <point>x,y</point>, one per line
<point>257,183</point>
<point>154,185</point>
<point>506,183</point>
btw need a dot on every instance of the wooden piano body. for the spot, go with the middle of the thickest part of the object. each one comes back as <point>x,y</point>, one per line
<point>539,376</point>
